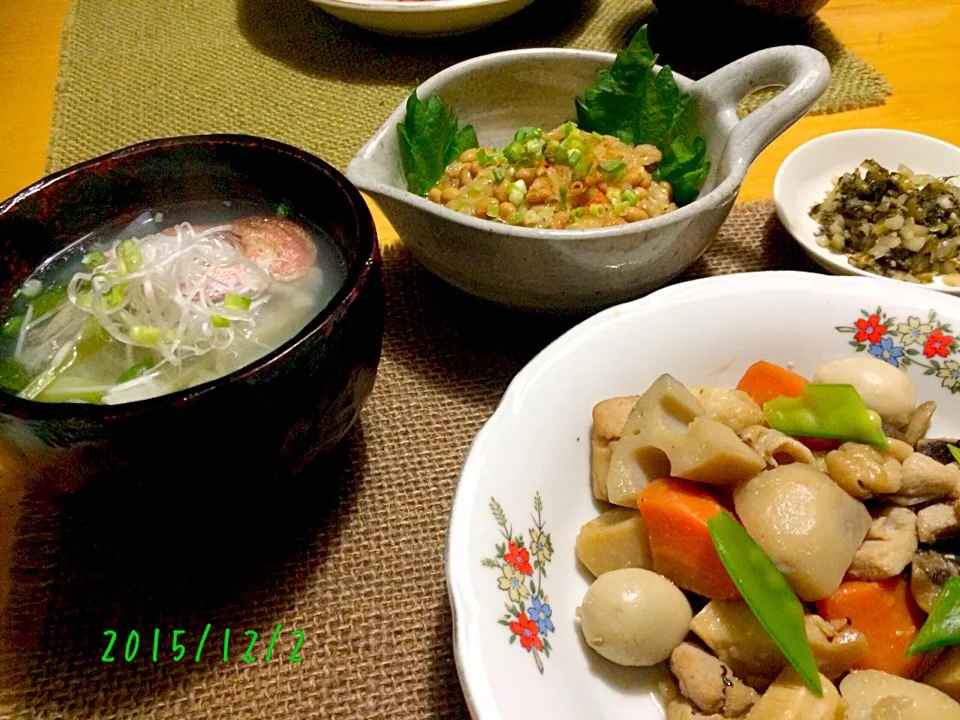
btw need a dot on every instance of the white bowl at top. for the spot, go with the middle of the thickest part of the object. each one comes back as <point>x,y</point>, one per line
<point>527,474</point>
<point>807,175</point>
<point>422,18</point>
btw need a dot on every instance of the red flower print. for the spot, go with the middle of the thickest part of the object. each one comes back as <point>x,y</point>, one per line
<point>870,329</point>
<point>937,344</point>
<point>519,558</point>
<point>528,632</point>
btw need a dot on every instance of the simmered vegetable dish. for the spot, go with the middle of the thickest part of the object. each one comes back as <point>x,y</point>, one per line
<point>786,546</point>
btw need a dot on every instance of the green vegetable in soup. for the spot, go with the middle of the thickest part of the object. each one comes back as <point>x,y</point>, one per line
<point>955,451</point>
<point>833,411</point>
<point>48,301</point>
<point>12,376</point>
<point>767,594</point>
<point>285,209</point>
<point>430,139</point>
<point>639,107</point>
<point>942,627</point>
<point>136,370</point>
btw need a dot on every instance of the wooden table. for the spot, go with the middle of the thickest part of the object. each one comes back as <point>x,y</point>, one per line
<point>912,42</point>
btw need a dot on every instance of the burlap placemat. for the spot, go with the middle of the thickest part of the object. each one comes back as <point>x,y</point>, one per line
<point>139,69</point>
<point>354,561</point>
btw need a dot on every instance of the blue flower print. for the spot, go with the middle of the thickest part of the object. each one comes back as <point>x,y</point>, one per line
<point>888,352</point>
<point>540,613</point>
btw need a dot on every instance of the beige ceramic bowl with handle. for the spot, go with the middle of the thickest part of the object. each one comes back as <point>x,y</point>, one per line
<point>580,270</point>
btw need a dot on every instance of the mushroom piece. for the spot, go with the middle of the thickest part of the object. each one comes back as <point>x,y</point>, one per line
<point>776,448</point>
<point>889,546</point>
<point>919,423</point>
<point>938,449</point>
<point>929,572</point>
<point>923,479</point>
<point>708,683</point>
<point>938,522</point>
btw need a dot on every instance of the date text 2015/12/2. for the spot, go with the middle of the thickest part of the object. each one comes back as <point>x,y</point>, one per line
<point>172,646</point>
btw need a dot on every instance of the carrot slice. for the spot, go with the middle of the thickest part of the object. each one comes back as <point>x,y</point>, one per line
<point>884,611</point>
<point>764,381</point>
<point>676,513</point>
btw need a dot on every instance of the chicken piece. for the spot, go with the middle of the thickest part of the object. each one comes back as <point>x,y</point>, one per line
<point>776,448</point>
<point>938,522</point>
<point>863,471</point>
<point>924,479</point>
<point>889,546</point>
<point>709,684</point>
<point>683,710</point>
<point>732,631</point>
<point>836,644</point>
<point>609,417</point>
<point>929,573</point>
<point>733,408</point>
<point>279,246</point>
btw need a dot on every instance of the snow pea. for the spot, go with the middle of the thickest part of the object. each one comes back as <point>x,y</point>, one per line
<point>767,593</point>
<point>827,410</point>
<point>942,627</point>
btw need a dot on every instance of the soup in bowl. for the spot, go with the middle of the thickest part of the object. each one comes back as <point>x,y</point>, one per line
<point>216,296</point>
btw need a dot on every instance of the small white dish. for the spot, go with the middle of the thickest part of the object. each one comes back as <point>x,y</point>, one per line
<point>807,175</point>
<point>537,445</point>
<point>422,18</point>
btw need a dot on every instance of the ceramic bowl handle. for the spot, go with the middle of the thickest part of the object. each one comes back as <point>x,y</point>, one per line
<point>805,73</point>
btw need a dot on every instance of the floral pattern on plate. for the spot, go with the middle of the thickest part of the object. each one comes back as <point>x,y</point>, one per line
<point>926,343</point>
<point>528,613</point>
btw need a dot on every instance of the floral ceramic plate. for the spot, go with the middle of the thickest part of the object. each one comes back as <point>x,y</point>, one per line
<point>525,491</point>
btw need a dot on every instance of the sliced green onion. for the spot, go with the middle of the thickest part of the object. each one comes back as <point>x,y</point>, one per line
<point>516,191</point>
<point>528,133</point>
<point>94,260</point>
<point>573,156</point>
<point>955,451</point>
<point>285,209</point>
<point>576,213</point>
<point>630,196</point>
<point>613,168</point>
<point>130,256</point>
<point>12,375</point>
<point>498,174</point>
<point>135,371</point>
<point>232,301</point>
<point>11,328</point>
<point>567,128</point>
<point>621,207</point>
<point>145,334</point>
<point>49,301</point>
<point>493,210</point>
<point>582,167</point>
<point>597,136</point>
<point>514,151</point>
<point>31,288</point>
<point>599,211</point>
<point>218,321</point>
<point>563,197</point>
<point>114,296</point>
<point>613,195</point>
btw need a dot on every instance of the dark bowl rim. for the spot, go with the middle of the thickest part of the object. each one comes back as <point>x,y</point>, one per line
<point>368,256</point>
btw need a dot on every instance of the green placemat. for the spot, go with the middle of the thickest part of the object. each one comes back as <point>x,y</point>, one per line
<point>139,69</point>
